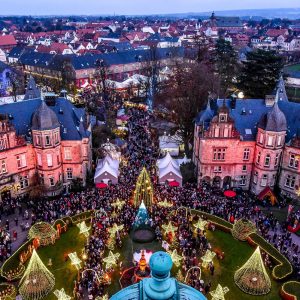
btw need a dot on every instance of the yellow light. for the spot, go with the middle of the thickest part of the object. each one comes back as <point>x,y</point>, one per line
<point>176,258</point>
<point>111,260</point>
<point>169,228</point>
<point>219,292</point>
<point>75,260</point>
<point>83,229</point>
<point>207,257</point>
<point>61,294</point>
<point>200,224</point>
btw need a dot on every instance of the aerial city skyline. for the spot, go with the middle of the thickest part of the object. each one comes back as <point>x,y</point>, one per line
<point>150,150</point>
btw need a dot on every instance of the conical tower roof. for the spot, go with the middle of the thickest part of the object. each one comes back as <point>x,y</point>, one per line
<point>252,277</point>
<point>37,280</point>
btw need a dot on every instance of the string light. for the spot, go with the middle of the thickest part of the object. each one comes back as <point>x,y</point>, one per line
<point>219,293</point>
<point>143,190</point>
<point>61,295</point>
<point>176,258</point>
<point>242,229</point>
<point>43,232</point>
<point>37,280</point>
<point>116,228</point>
<point>207,257</point>
<point>252,277</point>
<point>83,229</point>
<point>118,204</point>
<point>165,204</point>
<point>75,260</point>
<point>111,260</point>
<point>200,225</point>
<point>169,228</point>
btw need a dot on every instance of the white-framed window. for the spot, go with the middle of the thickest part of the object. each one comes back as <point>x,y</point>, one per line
<point>293,162</point>
<point>290,181</point>
<point>258,157</point>
<point>68,153</point>
<point>3,167</point>
<point>223,118</point>
<point>47,140</point>
<point>217,131</point>
<point>2,144</point>
<point>39,159</point>
<point>270,140</point>
<point>255,177</point>
<point>226,132</point>
<point>219,154</point>
<point>21,161</point>
<point>244,168</point>
<point>264,180</point>
<point>267,160</point>
<point>261,138</point>
<point>243,180</point>
<point>246,154</point>
<point>69,173</point>
<point>51,181</point>
<point>24,182</point>
<point>279,140</point>
<point>49,160</point>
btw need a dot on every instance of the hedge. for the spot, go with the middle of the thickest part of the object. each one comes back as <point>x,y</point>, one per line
<point>290,290</point>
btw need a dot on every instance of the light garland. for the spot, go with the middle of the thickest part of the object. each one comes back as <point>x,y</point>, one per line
<point>207,257</point>
<point>37,280</point>
<point>252,278</point>
<point>118,204</point>
<point>219,293</point>
<point>165,204</point>
<point>169,228</point>
<point>143,189</point>
<point>61,294</point>
<point>111,260</point>
<point>75,260</point>
<point>176,258</point>
<point>43,232</point>
<point>114,229</point>
<point>83,229</point>
<point>242,229</point>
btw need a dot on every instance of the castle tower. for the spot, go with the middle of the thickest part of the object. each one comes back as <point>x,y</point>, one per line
<point>47,144</point>
<point>270,142</point>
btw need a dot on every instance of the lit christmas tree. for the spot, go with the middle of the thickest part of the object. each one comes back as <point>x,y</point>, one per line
<point>142,217</point>
<point>252,277</point>
<point>143,189</point>
<point>37,280</point>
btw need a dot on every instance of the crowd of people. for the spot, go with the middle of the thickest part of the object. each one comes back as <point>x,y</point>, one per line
<point>142,150</point>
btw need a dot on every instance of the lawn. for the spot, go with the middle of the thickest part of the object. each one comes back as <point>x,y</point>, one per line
<point>64,272</point>
<point>293,68</point>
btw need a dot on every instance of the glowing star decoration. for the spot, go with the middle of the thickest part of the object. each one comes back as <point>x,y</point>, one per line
<point>37,280</point>
<point>114,229</point>
<point>61,295</point>
<point>111,260</point>
<point>169,228</point>
<point>75,260</point>
<point>252,278</point>
<point>200,225</point>
<point>165,204</point>
<point>83,229</point>
<point>219,293</point>
<point>176,258</point>
<point>207,258</point>
<point>118,204</point>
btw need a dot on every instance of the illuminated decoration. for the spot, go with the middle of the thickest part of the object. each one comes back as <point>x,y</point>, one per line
<point>179,276</point>
<point>118,204</point>
<point>207,258</point>
<point>219,293</point>
<point>188,272</point>
<point>43,232</point>
<point>165,204</point>
<point>169,228</point>
<point>111,242</point>
<point>142,217</point>
<point>143,189</point>
<point>61,295</point>
<point>242,229</point>
<point>83,229</point>
<point>200,225</point>
<point>176,258</point>
<point>111,260</point>
<point>252,278</point>
<point>113,230</point>
<point>75,260</point>
<point>37,280</point>
<point>105,297</point>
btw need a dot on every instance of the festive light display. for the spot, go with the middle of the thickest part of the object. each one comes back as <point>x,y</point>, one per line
<point>179,276</point>
<point>75,260</point>
<point>242,229</point>
<point>207,257</point>
<point>61,295</point>
<point>165,203</point>
<point>111,260</point>
<point>111,242</point>
<point>114,229</point>
<point>176,258</point>
<point>143,189</point>
<point>200,225</point>
<point>43,232</point>
<point>219,293</point>
<point>83,229</point>
<point>118,204</point>
<point>37,280</point>
<point>142,217</point>
<point>188,273</point>
<point>252,277</point>
<point>169,228</point>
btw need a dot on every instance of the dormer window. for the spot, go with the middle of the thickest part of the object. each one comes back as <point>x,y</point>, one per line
<point>223,118</point>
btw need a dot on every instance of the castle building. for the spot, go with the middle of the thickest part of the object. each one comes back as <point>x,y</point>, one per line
<point>251,144</point>
<point>43,142</point>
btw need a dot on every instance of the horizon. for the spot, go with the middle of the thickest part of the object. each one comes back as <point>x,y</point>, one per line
<point>134,7</point>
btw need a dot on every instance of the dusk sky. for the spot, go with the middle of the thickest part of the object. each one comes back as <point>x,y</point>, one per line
<point>97,7</point>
